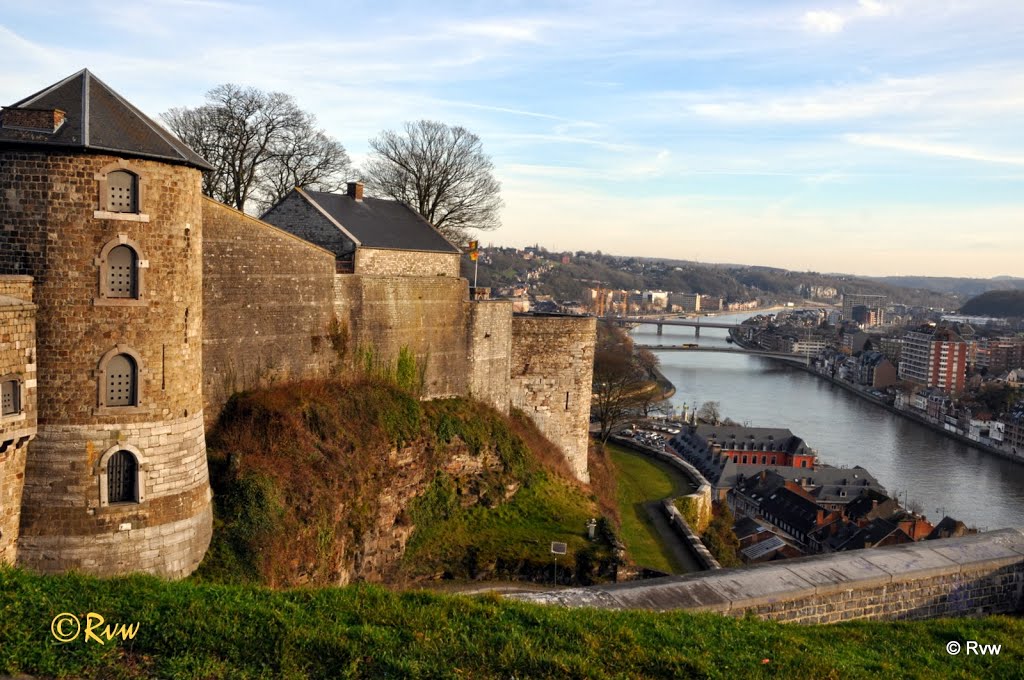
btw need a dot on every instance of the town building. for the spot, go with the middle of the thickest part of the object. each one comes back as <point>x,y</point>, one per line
<point>726,461</point>
<point>685,302</point>
<point>870,302</point>
<point>934,357</point>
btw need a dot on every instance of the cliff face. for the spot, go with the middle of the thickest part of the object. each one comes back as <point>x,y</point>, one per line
<point>324,483</point>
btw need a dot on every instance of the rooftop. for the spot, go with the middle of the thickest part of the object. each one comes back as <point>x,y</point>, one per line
<point>83,113</point>
<point>380,223</point>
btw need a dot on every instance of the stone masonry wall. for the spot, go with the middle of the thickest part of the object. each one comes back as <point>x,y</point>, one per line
<point>428,315</point>
<point>969,576</point>
<point>17,359</point>
<point>53,230</point>
<point>16,286</point>
<point>551,375</point>
<point>65,526</point>
<point>385,262</point>
<point>296,215</point>
<point>267,306</point>
<point>490,352</point>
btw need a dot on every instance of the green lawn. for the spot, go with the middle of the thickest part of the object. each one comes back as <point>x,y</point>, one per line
<point>192,630</point>
<point>641,479</point>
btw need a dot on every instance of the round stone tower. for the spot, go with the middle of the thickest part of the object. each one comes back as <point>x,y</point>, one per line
<point>103,208</point>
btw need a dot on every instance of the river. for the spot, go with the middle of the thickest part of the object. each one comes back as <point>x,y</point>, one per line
<point>940,476</point>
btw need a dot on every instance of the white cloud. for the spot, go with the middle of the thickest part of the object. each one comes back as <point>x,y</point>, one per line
<point>931,148</point>
<point>873,8</point>
<point>506,30</point>
<point>820,21</point>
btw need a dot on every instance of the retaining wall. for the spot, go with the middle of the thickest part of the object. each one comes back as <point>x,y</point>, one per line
<point>970,576</point>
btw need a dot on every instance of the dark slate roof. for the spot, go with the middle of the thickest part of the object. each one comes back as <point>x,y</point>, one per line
<point>381,223</point>
<point>869,504</point>
<point>99,119</point>
<point>873,532</point>
<point>737,437</point>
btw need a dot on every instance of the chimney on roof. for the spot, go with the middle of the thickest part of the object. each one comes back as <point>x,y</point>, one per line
<point>355,190</point>
<point>34,120</point>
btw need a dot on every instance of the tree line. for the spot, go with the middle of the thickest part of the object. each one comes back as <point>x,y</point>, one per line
<point>262,145</point>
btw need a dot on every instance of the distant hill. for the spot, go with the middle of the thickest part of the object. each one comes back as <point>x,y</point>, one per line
<point>997,303</point>
<point>583,270</point>
<point>946,284</point>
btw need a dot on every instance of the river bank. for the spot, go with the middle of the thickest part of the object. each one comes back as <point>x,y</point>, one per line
<point>909,415</point>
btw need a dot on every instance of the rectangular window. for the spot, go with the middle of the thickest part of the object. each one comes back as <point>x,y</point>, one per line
<point>10,398</point>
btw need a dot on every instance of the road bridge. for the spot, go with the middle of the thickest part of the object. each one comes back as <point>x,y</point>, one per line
<point>696,324</point>
<point>725,350</point>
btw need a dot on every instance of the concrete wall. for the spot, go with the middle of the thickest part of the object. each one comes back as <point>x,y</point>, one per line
<point>386,262</point>
<point>298,216</point>
<point>970,576</point>
<point>267,306</point>
<point>55,232</point>
<point>490,352</point>
<point>428,315</point>
<point>17,360</point>
<point>551,373</point>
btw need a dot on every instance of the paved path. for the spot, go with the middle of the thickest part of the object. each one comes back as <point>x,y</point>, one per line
<point>681,553</point>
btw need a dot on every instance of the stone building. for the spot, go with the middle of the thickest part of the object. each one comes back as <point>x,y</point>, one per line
<point>132,307</point>
<point>102,209</point>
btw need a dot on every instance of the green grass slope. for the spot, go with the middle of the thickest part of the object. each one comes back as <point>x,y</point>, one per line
<point>641,480</point>
<point>195,630</point>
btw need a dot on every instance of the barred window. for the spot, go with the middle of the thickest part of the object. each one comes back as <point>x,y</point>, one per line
<point>121,380</point>
<point>122,478</point>
<point>10,398</point>
<point>122,278</point>
<point>122,192</point>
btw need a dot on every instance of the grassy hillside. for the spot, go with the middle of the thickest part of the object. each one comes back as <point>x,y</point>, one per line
<point>329,482</point>
<point>193,630</point>
<point>640,481</point>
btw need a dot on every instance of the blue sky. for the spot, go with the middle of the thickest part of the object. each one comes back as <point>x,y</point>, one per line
<point>862,136</point>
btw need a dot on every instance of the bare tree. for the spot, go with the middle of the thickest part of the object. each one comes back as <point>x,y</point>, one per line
<point>622,385</point>
<point>261,145</point>
<point>710,413</point>
<point>441,172</point>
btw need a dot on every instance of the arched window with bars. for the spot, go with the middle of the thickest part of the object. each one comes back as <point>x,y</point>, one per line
<point>122,478</point>
<point>121,270</point>
<point>119,379</point>
<point>122,279</point>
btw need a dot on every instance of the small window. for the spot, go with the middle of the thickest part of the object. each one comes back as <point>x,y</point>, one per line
<point>122,192</point>
<point>122,477</point>
<point>121,381</point>
<point>122,279</point>
<point>10,397</point>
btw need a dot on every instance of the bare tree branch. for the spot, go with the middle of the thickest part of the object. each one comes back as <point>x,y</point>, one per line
<point>441,172</point>
<point>261,145</point>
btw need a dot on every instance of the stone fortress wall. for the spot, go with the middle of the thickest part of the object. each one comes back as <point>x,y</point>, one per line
<point>267,319</point>
<point>53,231</point>
<point>132,307</point>
<point>551,373</point>
<point>268,301</point>
<point>17,369</point>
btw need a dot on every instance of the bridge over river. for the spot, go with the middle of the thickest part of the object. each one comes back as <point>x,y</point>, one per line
<point>696,323</point>
<point>725,350</point>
